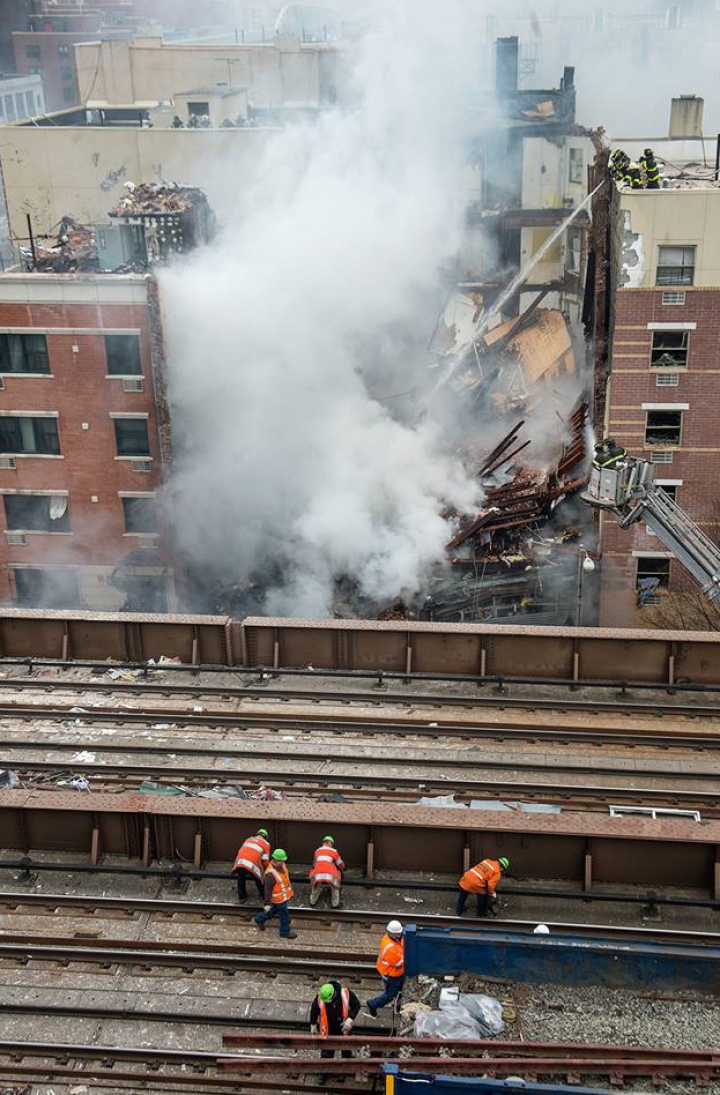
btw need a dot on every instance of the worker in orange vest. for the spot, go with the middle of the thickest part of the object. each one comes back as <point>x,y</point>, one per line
<point>251,862</point>
<point>481,880</point>
<point>391,967</point>
<point>277,892</point>
<point>333,1012</point>
<point>326,872</point>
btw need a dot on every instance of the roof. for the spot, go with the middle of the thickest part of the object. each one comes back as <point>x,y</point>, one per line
<point>213,92</point>
<point>542,346</point>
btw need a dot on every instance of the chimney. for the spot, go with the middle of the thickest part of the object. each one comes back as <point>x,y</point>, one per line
<point>506,66</point>
<point>686,117</point>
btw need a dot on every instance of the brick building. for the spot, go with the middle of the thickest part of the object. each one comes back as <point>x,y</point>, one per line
<point>665,376</point>
<point>50,54</point>
<point>84,438</point>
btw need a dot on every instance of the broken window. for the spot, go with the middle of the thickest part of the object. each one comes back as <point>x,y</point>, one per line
<point>46,587</point>
<point>21,434</point>
<point>669,349</point>
<point>23,354</point>
<point>653,566</point>
<point>132,438</point>
<point>670,489</point>
<point>140,513</point>
<point>573,252</point>
<point>576,165</point>
<point>37,512</point>
<point>123,355</point>
<point>676,266</point>
<point>663,427</point>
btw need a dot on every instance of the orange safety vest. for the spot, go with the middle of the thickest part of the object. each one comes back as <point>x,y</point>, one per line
<point>282,890</point>
<point>327,866</point>
<point>253,852</point>
<point>483,878</point>
<point>323,1024</point>
<point>391,959</point>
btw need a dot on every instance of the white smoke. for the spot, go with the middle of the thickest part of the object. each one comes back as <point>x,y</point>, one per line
<point>287,466</point>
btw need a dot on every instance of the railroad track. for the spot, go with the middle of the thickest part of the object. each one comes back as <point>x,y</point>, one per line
<point>229,957</point>
<point>164,909</point>
<point>329,722</point>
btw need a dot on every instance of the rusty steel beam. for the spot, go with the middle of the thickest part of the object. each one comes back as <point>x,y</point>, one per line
<point>629,655</point>
<point>582,848</point>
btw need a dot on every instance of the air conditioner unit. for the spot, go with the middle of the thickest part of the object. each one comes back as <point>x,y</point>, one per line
<point>148,541</point>
<point>8,463</point>
<point>133,385</point>
<point>2,381</point>
<point>661,456</point>
<point>17,538</point>
<point>143,466</point>
<point>667,380</point>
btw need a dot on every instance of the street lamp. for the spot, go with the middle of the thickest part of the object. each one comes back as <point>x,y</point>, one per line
<point>585,567</point>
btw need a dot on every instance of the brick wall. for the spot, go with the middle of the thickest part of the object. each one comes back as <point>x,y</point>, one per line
<point>697,460</point>
<point>57,68</point>
<point>84,397</point>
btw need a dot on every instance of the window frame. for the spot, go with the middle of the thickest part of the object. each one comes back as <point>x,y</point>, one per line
<point>663,444</point>
<point>643,560</point>
<point>110,370</point>
<point>665,269</point>
<point>130,502</point>
<point>58,526</point>
<point>673,364</point>
<point>122,451</point>
<point>5,340</point>
<point>52,449</point>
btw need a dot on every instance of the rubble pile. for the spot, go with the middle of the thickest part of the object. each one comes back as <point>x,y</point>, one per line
<point>149,199</point>
<point>74,249</point>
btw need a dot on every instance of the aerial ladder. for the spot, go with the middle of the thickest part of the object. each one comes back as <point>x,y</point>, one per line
<point>627,490</point>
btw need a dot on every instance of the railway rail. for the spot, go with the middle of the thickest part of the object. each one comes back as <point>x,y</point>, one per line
<point>412,726</point>
<point>373,918</point>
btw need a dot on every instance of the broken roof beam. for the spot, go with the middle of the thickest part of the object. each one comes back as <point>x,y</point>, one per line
<point>504,459</point>
<point>501,447</point>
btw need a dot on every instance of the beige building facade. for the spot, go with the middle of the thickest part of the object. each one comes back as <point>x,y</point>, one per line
<point>283,74</point>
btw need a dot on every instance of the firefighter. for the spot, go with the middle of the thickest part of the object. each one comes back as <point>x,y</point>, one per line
<point>615,453</point>
<point>481,880</point>
<point>251,862</point>
<point>326,872</point>
<point>391,967</point>
<point>652,171</point>
<point>633,176</point>
<point>277,892</point>
<point>332,1013</point>
<point>618,165</point>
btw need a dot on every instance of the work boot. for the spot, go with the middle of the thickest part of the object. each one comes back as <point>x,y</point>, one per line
<point>257,923</point>
<point>335,897</point>
<point>372,1010</point>
<point>290,935</point>
<point>314,896</point>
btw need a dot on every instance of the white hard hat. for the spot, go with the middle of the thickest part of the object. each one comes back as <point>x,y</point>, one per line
<point>395,927</point>
<point>541,929</point>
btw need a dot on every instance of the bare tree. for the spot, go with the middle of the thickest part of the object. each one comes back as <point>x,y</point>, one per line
<point>691,609</point>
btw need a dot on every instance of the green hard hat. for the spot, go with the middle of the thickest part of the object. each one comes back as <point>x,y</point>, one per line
<point>328,840</point>
<point>326,993</point>
<point>280,854</point>
<point>263,832</point>
<point>505,863</point>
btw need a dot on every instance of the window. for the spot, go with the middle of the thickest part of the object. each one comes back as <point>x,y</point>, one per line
<point>123,355</point>
<point>197,110</point>
<point>30,103</point>
<point>23,354</point>
<point>576,164</point>
<point>20,434</point>
<point>67,73</point>
<point>668,488</point>
<point>676,266</point>
<point>20,104</point>
<point>131,435</point>
<point>63,51</point>
<point>69,94</point>
<point>37,512</point>
<point>32,53</point>
<point>10,108</point>
<point>653,567</point>
<point>140,514</point>
<point>669,350</point>
<point>46,587</point>
<point>663,428</point>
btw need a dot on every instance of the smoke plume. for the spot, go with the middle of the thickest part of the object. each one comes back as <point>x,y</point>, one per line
<point>292,333</point>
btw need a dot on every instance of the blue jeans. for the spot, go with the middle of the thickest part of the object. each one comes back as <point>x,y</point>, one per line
<point>280,910</point>
<point>393,988</point>
<point>243,877</point>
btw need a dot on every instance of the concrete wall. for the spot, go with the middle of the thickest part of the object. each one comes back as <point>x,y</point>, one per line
<point>281,73</point>
<point>51,171</point>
